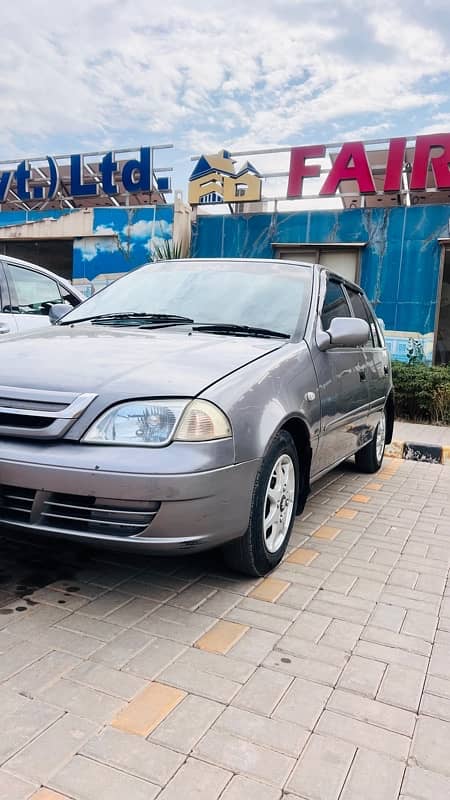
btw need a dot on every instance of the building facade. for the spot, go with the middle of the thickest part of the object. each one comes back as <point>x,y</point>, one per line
<point>401,257</point>
<point>377,212</point>
<point>91,247</point>
<point>90,217</point>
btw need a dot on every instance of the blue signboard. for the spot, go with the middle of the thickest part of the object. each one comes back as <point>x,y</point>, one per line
<point>82,177</point>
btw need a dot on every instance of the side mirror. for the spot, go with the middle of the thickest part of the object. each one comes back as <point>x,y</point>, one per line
<point>344,332</point>
<point>57,311</point>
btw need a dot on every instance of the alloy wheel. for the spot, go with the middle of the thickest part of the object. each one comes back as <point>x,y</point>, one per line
<point>381,438</point>
<point>279,503</point>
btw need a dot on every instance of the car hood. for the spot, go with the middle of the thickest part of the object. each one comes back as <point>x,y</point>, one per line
<point>125,363</point>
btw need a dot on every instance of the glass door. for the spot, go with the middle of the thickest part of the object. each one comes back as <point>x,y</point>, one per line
<point>442,352</point>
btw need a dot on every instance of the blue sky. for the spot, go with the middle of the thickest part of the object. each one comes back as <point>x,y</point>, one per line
<point>203,74</point>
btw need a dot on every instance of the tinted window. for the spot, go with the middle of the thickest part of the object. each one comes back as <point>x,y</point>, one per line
<point>374,326</point>
<point>360,310</point>
<point>31,292</point>
<point>335,304</point>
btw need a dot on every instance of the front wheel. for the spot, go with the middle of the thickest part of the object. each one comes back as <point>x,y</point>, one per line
<point>370,458</point>
<point>272,513</point>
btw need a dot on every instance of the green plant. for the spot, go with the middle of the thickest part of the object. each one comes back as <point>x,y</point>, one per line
<point>442,403</point>
<point>422,393</point>
<point>167,251</point>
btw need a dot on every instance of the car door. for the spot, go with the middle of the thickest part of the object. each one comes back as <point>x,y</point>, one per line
<point>31,296</point>
<point>343,385</point>
<point>8,322</point>
<point>376,356</point>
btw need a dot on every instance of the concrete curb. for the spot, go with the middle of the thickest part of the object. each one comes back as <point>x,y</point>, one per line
<point>418,451</point>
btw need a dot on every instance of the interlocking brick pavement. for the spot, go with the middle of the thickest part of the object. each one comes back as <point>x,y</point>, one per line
<point>139,677</point>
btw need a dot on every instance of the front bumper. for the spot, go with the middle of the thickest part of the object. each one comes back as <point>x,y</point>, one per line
<point>102,501</point>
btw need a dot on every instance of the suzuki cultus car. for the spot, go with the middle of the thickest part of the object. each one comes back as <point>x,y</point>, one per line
<point>190,405</point>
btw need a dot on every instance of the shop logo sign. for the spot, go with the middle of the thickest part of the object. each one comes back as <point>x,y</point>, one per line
<point>352,164</point>
<point>214,180</point>
<point>22,176</point>
<point>43,180</point>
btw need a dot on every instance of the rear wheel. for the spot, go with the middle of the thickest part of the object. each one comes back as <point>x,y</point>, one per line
<point>272,513</point>
<point>370,458</point>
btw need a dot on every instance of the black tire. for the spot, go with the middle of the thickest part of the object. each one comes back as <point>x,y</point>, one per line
<point>367,459</point>
<point>249,554</point>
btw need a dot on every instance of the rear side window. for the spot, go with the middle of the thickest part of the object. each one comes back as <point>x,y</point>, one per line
<point>361,311</point>
<point>334,305</point>
<point>374,326</point>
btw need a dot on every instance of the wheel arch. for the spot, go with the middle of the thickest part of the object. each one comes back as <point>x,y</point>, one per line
<point>390,416</point>
<point>298,430</point>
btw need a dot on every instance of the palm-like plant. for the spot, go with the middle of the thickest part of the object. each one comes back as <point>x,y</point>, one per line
<point>168,251</point>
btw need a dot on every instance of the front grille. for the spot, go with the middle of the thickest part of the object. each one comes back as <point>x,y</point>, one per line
<point>8,420</point>
<point>75,513</point>
<point>39,414</point>
<point>16,504</point>
<point>32,405</point>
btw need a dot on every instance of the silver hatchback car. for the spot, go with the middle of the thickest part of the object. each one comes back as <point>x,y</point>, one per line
<point>191,404</point>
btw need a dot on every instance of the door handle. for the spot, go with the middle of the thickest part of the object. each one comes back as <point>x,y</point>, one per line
<point>4,328</point>
<point>362,374</point>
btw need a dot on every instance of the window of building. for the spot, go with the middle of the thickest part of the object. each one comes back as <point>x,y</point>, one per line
<point>309,255</point>
<point>342,260</point>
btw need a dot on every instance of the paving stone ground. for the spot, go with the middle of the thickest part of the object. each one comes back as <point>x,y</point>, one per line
<point>139,678</point>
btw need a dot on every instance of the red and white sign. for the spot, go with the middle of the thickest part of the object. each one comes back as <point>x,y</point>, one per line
<point>352,164</point>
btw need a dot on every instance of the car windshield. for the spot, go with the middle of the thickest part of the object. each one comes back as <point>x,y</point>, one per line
<point>271,295</point>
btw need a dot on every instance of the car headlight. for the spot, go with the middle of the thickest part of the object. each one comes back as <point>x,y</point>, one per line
<point>153,423</point>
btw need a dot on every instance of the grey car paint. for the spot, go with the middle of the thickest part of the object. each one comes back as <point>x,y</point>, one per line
<point>197,495</point>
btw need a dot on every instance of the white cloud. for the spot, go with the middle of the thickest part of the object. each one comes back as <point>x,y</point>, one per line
<point>146,229</point>
<point>163,228</point>
<point>366,132</point>
<point>103,230</point>
<point>139,230</point>
<point>440,124</point>
<point>91,247</point>
<point>117,72</point>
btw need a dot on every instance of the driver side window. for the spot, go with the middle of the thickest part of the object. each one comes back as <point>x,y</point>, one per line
<point>31,292</point>
<point>334,305</point>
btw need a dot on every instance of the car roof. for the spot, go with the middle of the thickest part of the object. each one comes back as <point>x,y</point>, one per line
<point>37,268</point>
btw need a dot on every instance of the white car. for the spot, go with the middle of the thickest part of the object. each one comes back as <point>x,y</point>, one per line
<point>27,292</point>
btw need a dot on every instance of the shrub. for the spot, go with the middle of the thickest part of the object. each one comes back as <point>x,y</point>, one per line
<point>422,393</point>
<point>167,251</point>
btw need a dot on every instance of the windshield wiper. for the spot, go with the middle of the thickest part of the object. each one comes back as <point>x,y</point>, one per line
<point>240,330</point>
<point>135,317</point>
